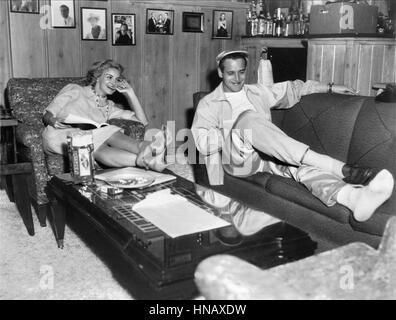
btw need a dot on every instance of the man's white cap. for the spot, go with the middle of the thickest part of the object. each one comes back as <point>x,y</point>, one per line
<point>225,53</point>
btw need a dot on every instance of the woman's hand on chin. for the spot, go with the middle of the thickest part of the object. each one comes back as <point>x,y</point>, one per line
<point>123,86</point>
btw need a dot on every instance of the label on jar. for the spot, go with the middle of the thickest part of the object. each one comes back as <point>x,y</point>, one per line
<point>84,161</point>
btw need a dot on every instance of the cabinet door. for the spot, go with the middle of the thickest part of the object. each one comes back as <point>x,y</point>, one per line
<point>356,63</point>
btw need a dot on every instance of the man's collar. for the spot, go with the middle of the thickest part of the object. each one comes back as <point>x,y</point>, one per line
<point>218,93</point>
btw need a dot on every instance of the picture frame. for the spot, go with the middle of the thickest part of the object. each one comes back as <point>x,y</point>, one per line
<point>159,21</point>
<point>93,24</point>
<point>25,6</point>
<point>63,14</point>
<point>222,24</point>
<point>123,29</point>
<point>193,22</point>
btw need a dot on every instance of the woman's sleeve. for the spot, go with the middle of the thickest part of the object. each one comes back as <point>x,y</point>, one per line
<point>66,95</point>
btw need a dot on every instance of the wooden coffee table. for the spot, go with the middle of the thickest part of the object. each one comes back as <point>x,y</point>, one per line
<point>165,266</point>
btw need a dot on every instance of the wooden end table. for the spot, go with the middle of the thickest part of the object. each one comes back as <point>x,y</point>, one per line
<point>15,173</point>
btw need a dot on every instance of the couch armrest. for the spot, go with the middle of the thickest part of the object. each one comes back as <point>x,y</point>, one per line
<point>28,135</point>
<point>31,140</point>
<point>132,128</point>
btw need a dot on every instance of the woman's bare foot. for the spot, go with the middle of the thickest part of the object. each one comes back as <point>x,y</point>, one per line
<point>152,154</point>
<point>157,163</point>
<point>363,201</point>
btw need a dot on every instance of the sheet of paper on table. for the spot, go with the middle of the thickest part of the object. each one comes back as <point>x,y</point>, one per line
<point>159,177</point>
<point>175,215</point>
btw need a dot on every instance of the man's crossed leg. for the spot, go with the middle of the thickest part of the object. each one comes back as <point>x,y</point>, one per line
<point>330,180</point>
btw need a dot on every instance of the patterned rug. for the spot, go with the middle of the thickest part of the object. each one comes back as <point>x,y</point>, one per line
<point>34,268</point>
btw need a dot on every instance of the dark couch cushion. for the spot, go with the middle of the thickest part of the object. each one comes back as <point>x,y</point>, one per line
<point>375,225</point>
<point>374,144</point>
<point>324,122</point>
<point>293,191</point>
<point>247,190</point>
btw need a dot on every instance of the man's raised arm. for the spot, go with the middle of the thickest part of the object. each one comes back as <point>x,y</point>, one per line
<point>286,94</point>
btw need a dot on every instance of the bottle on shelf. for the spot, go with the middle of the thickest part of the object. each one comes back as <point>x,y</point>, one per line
<point>297,29</point>
<point>302,25</point>
<point>249,23</point>
<point>261,23</point>
<point>274,25</point>
<point>251,29</point>
<point>278,23</point>
<point>306,24</point>
<point>268,32</point>
<point>288,27</point>
<point>283,24</point>
<point>254,25</point>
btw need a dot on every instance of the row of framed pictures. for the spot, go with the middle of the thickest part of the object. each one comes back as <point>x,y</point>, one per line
<point>123,26</point>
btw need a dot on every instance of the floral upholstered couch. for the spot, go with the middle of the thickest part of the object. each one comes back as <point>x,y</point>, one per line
<point>27,99</point>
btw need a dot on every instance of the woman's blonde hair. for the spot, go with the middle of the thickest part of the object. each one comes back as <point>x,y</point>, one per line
<point>99,67</point>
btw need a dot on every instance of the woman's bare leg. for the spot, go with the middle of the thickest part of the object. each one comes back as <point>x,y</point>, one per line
<point>154,142</point>
<point>121,141</point>
<point>121,151</point>
<point>114,157</point>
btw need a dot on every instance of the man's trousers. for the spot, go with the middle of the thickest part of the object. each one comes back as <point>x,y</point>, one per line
<point>250,133</point>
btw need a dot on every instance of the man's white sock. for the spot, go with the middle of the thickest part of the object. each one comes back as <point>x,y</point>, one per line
<point>364,200</point>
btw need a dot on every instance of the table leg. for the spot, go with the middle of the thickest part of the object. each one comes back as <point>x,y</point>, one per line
<point>22,200</point>
<point>9,188</point>
<point>58,214</point>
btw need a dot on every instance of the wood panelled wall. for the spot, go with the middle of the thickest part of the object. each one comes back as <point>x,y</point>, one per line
<point>165,70</point>
<point>356,62</point>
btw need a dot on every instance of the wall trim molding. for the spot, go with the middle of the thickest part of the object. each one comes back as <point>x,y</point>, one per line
<point>214,4</point>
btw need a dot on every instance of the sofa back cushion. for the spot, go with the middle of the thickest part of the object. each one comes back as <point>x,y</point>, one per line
<point>373,142</point>
<point>356,130</point>
<point>29,97</point>
<point>323,121</point>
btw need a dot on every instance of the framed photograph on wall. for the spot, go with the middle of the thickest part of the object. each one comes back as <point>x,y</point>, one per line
<point>93,24</point>
<point>193,22</point>
<point>159,21</point>
<point>25,6</point>
<point>123,29</point>
<point>63,14</point>
<point>222,24</point>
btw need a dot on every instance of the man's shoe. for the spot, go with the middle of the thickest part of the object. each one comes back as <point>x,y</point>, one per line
<point>357,175</point>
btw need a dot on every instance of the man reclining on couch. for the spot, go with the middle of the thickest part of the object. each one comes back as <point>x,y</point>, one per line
<point>234,122</point>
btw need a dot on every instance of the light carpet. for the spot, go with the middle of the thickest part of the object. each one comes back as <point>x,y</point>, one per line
<point>33,268</point>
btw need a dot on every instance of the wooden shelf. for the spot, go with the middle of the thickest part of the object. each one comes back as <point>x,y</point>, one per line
<point>274,42</point>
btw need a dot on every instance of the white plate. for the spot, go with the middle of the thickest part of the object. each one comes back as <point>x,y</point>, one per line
<point>130,181</point>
